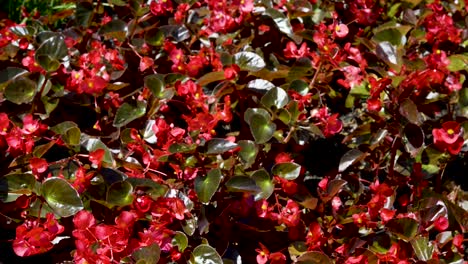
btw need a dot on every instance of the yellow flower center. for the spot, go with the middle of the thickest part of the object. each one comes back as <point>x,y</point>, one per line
<point>450,131</point>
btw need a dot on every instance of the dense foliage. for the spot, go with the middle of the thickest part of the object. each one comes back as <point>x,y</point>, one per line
<point>236,131</point>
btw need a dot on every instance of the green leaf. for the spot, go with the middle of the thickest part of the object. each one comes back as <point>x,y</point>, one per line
<point>422,248</point>
<point>148,254</point>
<point>299,86</point>
<point>458,62</point>
<point>11,73</point>
<point>180,240</point>
<point>248,152</point>
<point>84,13</point>
<point>50,103</point>
<point>287,170</point>
<point>114,29</point>
<point>53,46</point>
<point>282,23</point>
<point>205,254</point>
<point>219,146</point>
<point>129,112</point>
<point>404,228</point>
<point>262,179</point>
<point>120,193</point>
<point>242,184</point>
<point>92,144</point>
<point>155,83</point>
<point>51,51</point>
<point>349,158</point>
<point>14,185</point>
<point>181,148</point>
<point>61,197</point>
<point>301,67</point>
<point>252,111</point>
<point>154,37</point>
<point>206,186</point>
<point>155,189</point>
<point>314,257</point>
<point>275,97</point>
<point>391,35</point>
<point>261,128</point>
<point>69,131</point>
<point>249,61</point>
<point>21,90</point>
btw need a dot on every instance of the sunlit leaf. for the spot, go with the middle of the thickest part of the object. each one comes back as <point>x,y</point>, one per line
<point>314,257</point>
<point>114,29</point>
<point>287,170</point>
<point>242,184</point>
<point>404,228</point>
<point>422,248</point>
<point>261,128</point>
<point>180,240</point>
<point>219,146</point>
<point>205,254</point>
<point>349,158</point>
<point>128,112</point>
<point>248,151</point>
<point>263,180</point>
<point>120,193</point>
<point>249,61</point>
<point>206,186</point>
<point>61,197</point>
<point>20,91</point>
<point>276,97</point>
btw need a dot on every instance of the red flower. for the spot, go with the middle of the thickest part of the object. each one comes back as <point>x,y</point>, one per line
<point>231,72</point>
<point>145,63</point>
<point>291,50</point>
<point>96,156</point>
<point>441,223</point>
<point>448,138</point>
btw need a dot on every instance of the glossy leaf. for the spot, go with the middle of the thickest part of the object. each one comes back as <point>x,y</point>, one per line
<point>282,23</point>
<point>156,85</point>
<point>120,193</point>
<point>219,146</point>
<point>61,197</point>
<point>205,254</point>
<point>250,112</point>
<point>206,186</point>
<point>422,248</point>
<point>263,180</point>
<point>16,184</point>
<point>180,240</point>
<point>114,29</point>
<point>389,54</point>
<point>20,91</point>
<point>84,13</point>
<point>458,62</point>
<point>242,184</point>
<point>349,158</point>
<point>128,112</point>
<point>11,73</point>
<point>276,97</point>
<point>262,129</point>
<point>154,37</point>
<point>260,85</point>
<point>287,170</point>
<point>248,152</point>
<point>249,61</point>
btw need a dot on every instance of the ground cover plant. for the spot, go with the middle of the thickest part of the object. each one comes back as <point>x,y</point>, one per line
<point>237,131</point>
